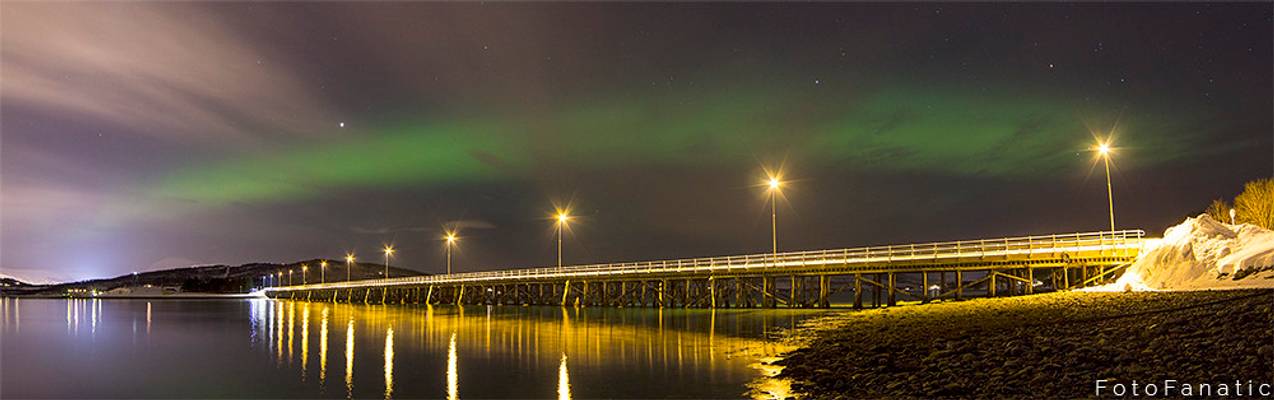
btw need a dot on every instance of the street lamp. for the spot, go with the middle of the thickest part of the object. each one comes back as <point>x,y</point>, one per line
<point>1104,150</point>
<point>389,251</point>
<point>279,280</point>
<point>451,242</point>
<point>323,271</point>
<point>289,277</point>
<point>349,260</point>
<point>303,269</point>
<point>773,187</point>
<point>562,217</point>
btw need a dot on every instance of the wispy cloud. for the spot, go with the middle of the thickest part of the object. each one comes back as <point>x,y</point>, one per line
<point>469,224</point>
<point>164,73</point>
<point>388,230</point>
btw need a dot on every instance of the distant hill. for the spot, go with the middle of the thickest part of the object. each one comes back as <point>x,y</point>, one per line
<point>8,281</point>
<point>208,278</point>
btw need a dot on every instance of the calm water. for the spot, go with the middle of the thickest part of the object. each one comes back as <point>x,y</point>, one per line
<point>271,349</point>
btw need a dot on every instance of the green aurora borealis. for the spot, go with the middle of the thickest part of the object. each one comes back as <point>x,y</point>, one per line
<point>894,129</point>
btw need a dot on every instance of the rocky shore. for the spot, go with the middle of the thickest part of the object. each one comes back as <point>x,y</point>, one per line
<point>1053,345</point>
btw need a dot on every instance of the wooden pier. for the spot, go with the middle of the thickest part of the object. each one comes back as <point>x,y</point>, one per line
<point>869,276</point>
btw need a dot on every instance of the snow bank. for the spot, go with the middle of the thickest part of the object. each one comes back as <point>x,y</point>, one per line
<point>1202,253</point>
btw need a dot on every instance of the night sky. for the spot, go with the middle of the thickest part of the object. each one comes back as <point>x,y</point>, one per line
<point>139,136</point>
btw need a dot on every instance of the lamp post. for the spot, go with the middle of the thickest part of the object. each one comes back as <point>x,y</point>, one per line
<point>563,216</point>
<point>289,277</point>
<point>451,242</point>
<point>304,268</point>
<point>389,251</point>
<point>1104,150</point>
<point>349,260</point>
<point>279,280</point>
<point>323,271</point>
<point>774,185</point>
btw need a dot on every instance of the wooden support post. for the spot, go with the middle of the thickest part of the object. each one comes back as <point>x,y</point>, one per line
<point>770,287</point>
<point>459,294</point>
<point>1030,276</point>
<point>858,291</point>
<point>663,288</point>
<point>712,291</point>
<point>1066,279</point>
<point>879,292</point>
<point>991,283</point>
<point>738,292</point>
<point>823,291</point>
<point>566,289</point>
<point>924,287</point>
<point>959,284</point>
<point>791,293</point>
<point>893,299</point>
<point>582,300</point>
<point>685,295</point>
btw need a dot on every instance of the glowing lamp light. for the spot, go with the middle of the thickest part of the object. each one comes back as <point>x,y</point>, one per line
<point>774,183</point>
<point>389,251</point>
<point>1103,149</point>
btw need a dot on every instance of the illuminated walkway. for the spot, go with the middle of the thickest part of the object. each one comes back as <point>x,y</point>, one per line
<point>793,279</point>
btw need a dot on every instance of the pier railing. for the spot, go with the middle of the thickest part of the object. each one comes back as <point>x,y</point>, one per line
<point>1122,243</point>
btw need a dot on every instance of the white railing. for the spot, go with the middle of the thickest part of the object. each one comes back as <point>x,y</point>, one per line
<point>1122,243</point>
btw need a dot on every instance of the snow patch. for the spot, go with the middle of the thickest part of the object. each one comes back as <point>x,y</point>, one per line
<point>1201,254</point>
<point>33,276</point>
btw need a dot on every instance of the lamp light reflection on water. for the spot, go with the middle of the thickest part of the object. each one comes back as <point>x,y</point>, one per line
<point>563,381</point>
<point>389,362</point>
<point>600,341</point>
<point>349,358</point>
<point>305,340</point>
<point>291,328</point>
<point>323,348</point>
<point>453,377</point>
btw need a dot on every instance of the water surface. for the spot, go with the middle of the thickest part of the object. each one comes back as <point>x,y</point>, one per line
<point>92,348</point>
